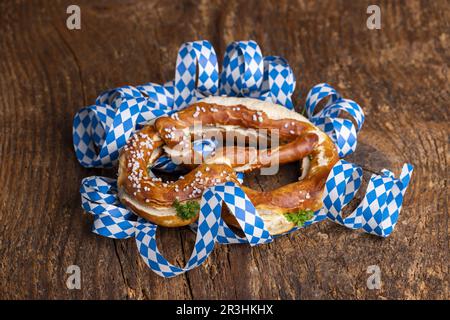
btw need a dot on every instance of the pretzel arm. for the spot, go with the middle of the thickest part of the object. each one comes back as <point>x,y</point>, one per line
<point>178,127</point>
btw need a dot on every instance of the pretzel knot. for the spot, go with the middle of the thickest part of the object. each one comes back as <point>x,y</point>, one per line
<point>250,134</point>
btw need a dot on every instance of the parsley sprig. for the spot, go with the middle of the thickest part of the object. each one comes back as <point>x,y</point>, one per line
<point>299,218</point>
<point>186,210</point>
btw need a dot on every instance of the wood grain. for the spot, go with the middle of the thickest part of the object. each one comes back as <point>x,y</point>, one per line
<point>399,74</point>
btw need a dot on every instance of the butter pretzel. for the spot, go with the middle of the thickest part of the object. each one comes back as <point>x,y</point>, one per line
<point>157,201</point>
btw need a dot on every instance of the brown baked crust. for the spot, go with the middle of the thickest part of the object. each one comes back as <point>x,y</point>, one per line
<point>301,140</point>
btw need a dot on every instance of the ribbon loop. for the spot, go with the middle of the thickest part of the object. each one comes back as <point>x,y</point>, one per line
<point>243,69</point>
<point>378,211</point>
<point>193,55</point>
<point>107,125</point>
<point>279,81</point>
<point>159,97</point>
<point>384,197</point>
<point>246,214</point>
<point>247,73</point>
<point>208,224</point>
<point>318,93</point>
<point>342,185</point>
<point>342,131</point>
<point>111,218</point>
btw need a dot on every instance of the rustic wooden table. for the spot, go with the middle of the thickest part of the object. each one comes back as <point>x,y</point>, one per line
<point>398,74</point>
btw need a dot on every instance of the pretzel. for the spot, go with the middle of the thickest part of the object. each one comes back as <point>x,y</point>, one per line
<point>159,201</point>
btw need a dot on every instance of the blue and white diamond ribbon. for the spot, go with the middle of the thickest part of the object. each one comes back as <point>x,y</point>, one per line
<point>342,131</point>
<point>101,130</point>
<point>193,55</point>
<point>109,123</point>
<point>111,218</point>
<point>376,214</point>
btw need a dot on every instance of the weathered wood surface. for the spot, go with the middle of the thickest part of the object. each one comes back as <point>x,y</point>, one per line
<point>399,74</point>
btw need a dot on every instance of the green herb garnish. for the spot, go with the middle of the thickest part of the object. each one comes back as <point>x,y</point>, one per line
<point>299,218</point>
<point>186,210</point>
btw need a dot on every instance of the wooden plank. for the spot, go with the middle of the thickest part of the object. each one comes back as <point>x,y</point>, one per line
<point>399,74</point>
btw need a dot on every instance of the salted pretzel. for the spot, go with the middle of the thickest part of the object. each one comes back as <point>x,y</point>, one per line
<point>157,200</point>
